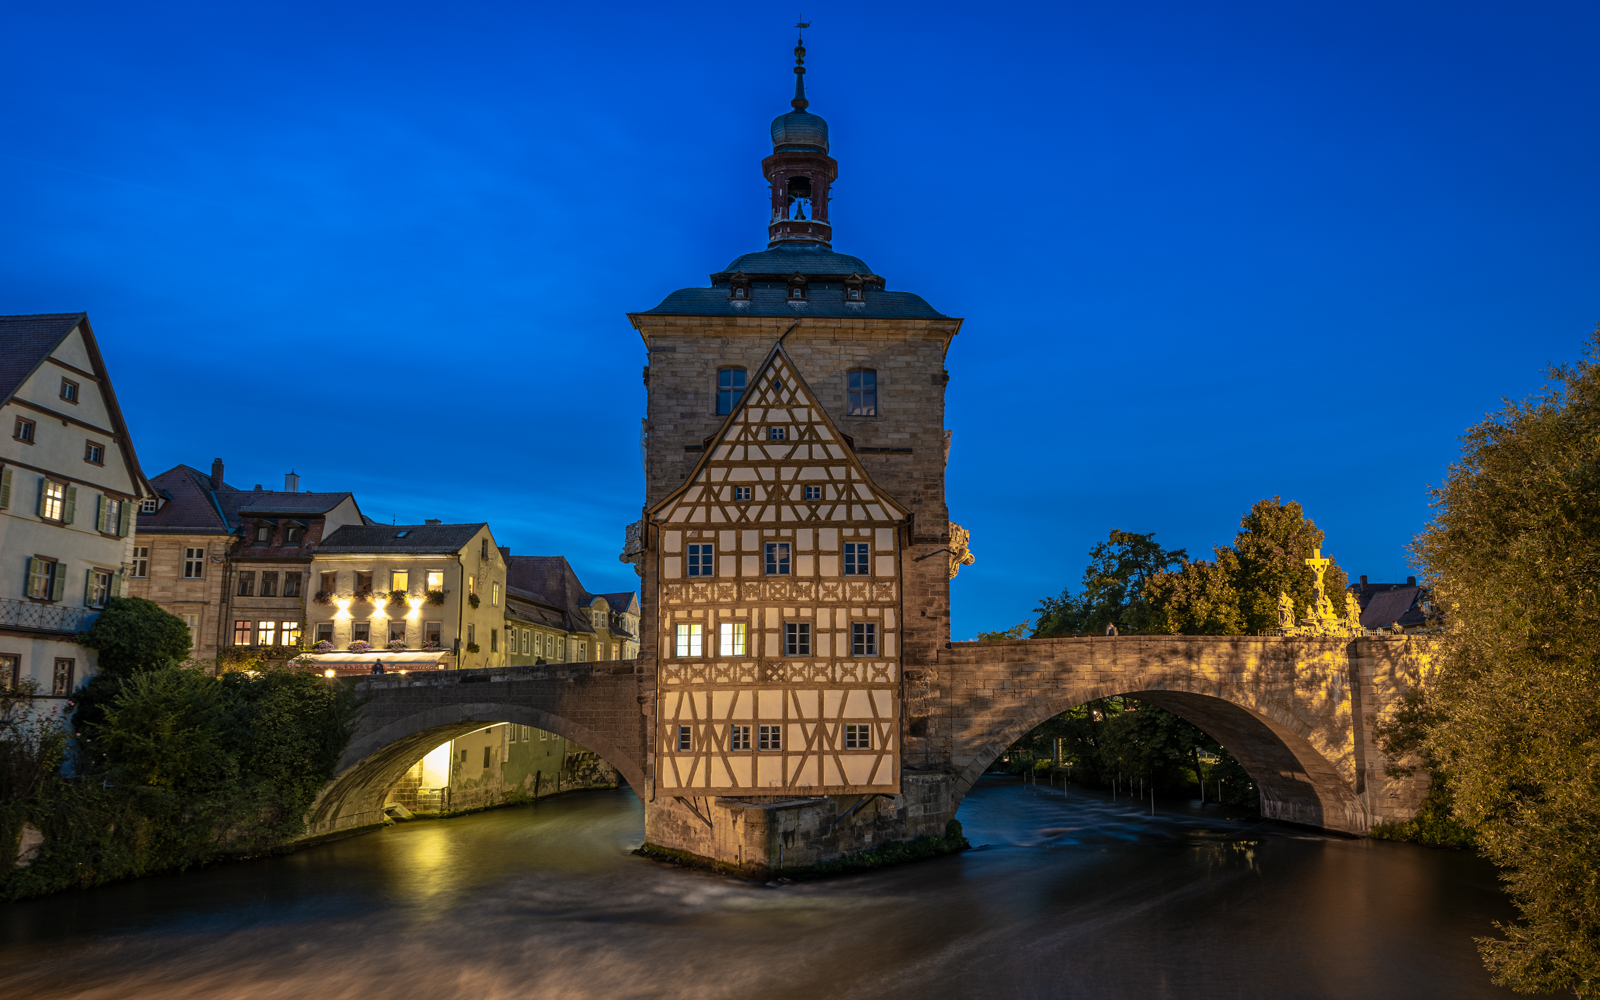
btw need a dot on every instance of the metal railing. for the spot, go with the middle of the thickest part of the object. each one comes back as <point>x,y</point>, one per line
<point>39,617</point>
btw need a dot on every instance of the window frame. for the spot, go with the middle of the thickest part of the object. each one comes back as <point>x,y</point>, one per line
<point>857,559</point>
<point>729,396</point>
<point>685,740</point>
<point>243,631</point>
<point>267,586</point>
<point>245,585</point>
<point>52,570</point>
<point>195,562</point>
<point>700,559</point>
<point>688,640</point>
<point>777,433</point>
<point>741,494</point>
<point>94,452</point>
<point>266,632</point>
<point>61,681</point>
<point>10,673</point>
<point>778,559</point>
<point>66,384</point>
<point>25,430</point>
<point>811,494</point>
<point>140,563</point>
<point>769,738</point>
<point>857,736</point>
<point>861,393</point>
<point>865,639</point>
<point>733,639</point>
<point>797,638</point>
<point>739,738</point>
<point>149,505</point>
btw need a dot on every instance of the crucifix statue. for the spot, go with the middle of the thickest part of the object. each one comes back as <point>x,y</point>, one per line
<point>1323,608</point>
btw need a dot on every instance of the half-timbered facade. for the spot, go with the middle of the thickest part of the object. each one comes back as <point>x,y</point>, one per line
<point>779,563</point>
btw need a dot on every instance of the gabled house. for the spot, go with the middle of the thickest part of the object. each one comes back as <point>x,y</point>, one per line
<point>1385,605</point>
<point>597,626</point>
<point>68,485</point>
<point>233,564</point>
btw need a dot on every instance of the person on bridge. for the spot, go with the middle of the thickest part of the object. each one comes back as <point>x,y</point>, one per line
<point>1111,628</point>
<point>377,666</point>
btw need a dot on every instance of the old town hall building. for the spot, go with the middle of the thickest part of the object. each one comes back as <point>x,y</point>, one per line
<point>795,455</point>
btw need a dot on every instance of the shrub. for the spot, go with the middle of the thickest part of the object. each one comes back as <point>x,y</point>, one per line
<point>133,634</point>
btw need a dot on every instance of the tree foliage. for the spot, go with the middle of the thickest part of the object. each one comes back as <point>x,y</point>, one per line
<point>1513,556</point>
<point>1130,583</point>
<point>133,634</point>
<point>179,769</point>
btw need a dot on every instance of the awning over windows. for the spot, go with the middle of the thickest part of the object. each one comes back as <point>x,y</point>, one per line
<point>361,663</point>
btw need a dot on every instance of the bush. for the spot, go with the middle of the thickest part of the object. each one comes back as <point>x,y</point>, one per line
<point>182,769</point>
<point>133,634</point>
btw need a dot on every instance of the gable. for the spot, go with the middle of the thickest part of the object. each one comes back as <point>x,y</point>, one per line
<point>779,446</point>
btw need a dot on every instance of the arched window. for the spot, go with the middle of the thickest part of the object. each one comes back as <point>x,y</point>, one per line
<point>730,388</point>
<point>863,392</point>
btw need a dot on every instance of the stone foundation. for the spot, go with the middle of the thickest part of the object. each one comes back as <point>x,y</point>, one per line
<point>762,837</point>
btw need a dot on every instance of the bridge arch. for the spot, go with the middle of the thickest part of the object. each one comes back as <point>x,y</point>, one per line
<point>1286,721</point>
<point>404,719</point>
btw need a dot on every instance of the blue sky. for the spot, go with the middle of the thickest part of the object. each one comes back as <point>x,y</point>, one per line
<point>1206,253</point>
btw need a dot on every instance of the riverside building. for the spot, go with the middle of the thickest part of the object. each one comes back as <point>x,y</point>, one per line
<point>68,485</point>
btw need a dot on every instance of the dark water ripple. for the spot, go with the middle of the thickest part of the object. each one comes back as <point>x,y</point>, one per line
<point>1070,895</point>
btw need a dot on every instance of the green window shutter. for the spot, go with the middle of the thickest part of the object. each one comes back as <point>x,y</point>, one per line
<point>122,517</point>
<point>58,583</point>
<point>99,512</point>
<point>5,488</point>
<point>71,505</point>
<point>27,576</point>
<point>39,509</point>
<point>116,584</point>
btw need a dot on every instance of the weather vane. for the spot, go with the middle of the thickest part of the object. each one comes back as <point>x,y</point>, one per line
<point>802,24</point>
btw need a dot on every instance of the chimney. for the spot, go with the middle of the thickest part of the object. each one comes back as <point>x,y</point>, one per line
<point>258,487</point>
<point>1411,581</point>
<point>505,552</point>
<point>291,482</point>
<point>216,473</point>
<point>432,520</point>
<point>1363,583</point>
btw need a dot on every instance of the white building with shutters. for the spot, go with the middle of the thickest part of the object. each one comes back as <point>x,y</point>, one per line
<point>68,489</point>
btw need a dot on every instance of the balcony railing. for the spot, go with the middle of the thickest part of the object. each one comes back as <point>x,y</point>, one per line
<point>36,617</point>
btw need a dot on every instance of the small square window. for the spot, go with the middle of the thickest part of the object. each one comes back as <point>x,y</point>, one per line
<point>857,736</point>
<point>685,739</point>
<point>864,639</point>
<point>813,493</point>
<point>69,390</point>
<point>94,453</point>
<point>796,638</point>
<point>24,431</point>
<point>741,492</point>
<point>857,559</point>
<point>700,560</point>
<point>769,737</point>
<point>777,433</point>
<point>148,505</point>
<point>777,558</point>
<point>738,737</point>
<point>435,579</point>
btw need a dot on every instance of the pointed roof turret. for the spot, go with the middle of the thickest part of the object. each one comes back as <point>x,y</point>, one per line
<point>799,169</point>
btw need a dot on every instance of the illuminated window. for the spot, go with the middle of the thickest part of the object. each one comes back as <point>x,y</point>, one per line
<point>769,737</point>
<point>864,639</point>
<point>700,560</point>
<point>53,500</point>
<point>435,579</point>
<point>730,389</point>
<point>738,737</point>
<point>241,633</point>
<point>777,558</point>
<point>863,393</point>
<point>796,638</point>
<point>400,580</point>
<point>266,633</point>
<point>494,594</point>
<point>856,559</point>
<point>289,633</point>
<point>733,639</point>
<point>857,737</point>
<point>691,637</point>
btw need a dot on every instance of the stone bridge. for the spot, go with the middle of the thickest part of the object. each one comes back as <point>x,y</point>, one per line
<point>1296,713</point>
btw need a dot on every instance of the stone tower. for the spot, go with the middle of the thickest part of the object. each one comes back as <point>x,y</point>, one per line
<point>795,540</point>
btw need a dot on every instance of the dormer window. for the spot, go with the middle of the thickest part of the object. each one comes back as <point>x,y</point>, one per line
<point>797,287</point>
<point>739,287</point>
<point>741,292</point>
<point>263,534</point>
<point>855,288</point>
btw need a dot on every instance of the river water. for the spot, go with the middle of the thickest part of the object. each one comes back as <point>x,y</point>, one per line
<point>1071,895</point>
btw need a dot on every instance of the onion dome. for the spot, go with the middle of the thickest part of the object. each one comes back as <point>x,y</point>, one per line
<point>799,130</point>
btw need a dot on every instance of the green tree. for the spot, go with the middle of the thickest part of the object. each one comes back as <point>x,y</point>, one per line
<point>1513,557</point>
<point>1113,589</point>
<point>133,634</point>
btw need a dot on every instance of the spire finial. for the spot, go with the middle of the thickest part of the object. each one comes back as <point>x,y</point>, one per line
<point>800,103</point>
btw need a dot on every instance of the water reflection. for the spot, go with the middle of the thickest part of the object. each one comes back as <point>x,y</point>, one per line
<point>1070,895</point>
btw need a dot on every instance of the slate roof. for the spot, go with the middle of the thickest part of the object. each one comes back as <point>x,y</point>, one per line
<point>808,259</point>
<point>773,300</point>
<point>419,538</point>
<point>550,580</point>
<point>623,604</point>
<point>525,606</point>
<point>244,504</point>
<point>25,341</point>
<point>193,508</point>
<point>1384,604</point>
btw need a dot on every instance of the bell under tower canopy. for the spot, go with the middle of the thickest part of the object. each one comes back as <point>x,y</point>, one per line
<point>799,171</point>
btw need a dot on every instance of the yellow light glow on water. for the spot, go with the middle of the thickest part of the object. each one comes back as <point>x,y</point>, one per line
<point>416,608</point>
<point>344,607</point>
<point>436,767</point>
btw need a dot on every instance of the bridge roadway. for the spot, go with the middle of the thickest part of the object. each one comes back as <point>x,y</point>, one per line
<point>1296,713</point>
